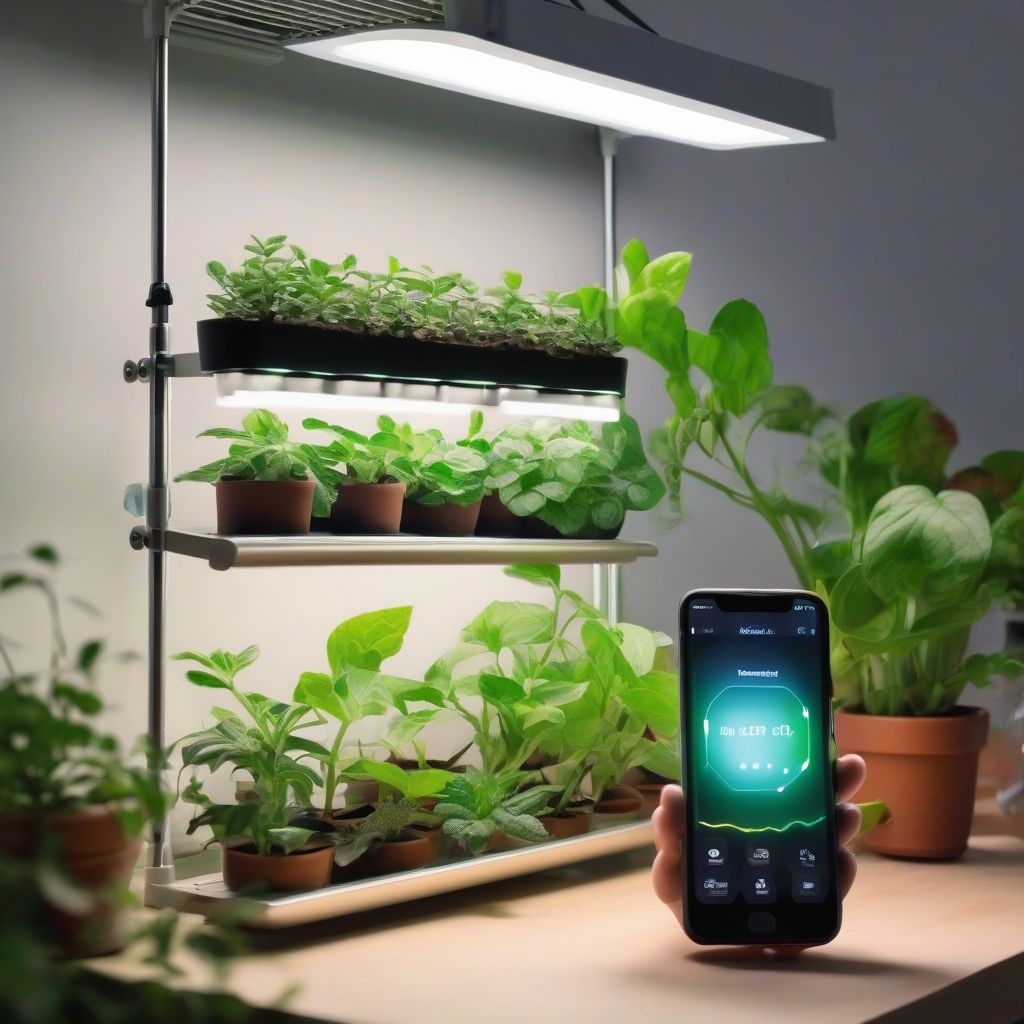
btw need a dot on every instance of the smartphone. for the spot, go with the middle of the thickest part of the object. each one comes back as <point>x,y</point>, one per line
<point>759,774</point>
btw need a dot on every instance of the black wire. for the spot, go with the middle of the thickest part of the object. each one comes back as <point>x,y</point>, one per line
<point>621,8</point>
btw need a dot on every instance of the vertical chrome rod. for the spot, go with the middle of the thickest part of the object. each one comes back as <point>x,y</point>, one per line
<point>607,579</point>
<point>156,492</point>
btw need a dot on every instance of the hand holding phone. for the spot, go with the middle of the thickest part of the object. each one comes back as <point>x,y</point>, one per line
<point>759,829</point>
<point>670,830</point>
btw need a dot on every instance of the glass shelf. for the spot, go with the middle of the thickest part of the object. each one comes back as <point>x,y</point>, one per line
<point>222,552</point>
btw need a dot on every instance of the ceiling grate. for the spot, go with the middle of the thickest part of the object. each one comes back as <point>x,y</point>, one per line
<point>280,21</point>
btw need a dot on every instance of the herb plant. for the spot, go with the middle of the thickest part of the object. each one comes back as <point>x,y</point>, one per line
<point>261,451</point>
<point>278,281</point>
<point>477,804</point>
<point>263,742</point>
<point>442,471</point>
<point>393,819</point>
<point>383,457</point>
<point>53,755</point>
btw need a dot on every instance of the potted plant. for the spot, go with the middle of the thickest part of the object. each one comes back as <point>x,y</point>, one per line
<point>401,833</point>
<point>377,470</point>
<point>354,688</point>
<point>72,810</point>
<point>479,806</point>
<point>267,484</point>
<point>271,839</point>
<point>444,497</point>
<point>899,656</point>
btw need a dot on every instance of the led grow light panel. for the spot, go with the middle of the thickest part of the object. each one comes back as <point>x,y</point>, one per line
<point>479,67</point>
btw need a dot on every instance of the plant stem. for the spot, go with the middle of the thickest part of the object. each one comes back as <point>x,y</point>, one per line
<point>331,781</point>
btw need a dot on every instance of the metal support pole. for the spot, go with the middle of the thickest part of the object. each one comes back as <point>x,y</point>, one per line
<point>607,579</point>
<point>157,27</point>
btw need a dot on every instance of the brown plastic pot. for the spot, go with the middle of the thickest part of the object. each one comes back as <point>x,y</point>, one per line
<point>568,824</point>
<point>618,805</point>
<point>368,508</point>
<point>444,520</point>
<point>304,869</point>
<point>925,769</point>
<point>399,855</point>
<point>269,507</point>
<point>97,856</point>
<point>496,520</point>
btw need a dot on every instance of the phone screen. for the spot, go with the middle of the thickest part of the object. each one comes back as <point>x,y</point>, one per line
<point>759,777</point>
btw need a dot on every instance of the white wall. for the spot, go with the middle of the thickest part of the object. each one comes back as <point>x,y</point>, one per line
<point>341,161</point>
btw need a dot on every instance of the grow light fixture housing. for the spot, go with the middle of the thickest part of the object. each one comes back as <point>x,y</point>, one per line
<point>555,59</point>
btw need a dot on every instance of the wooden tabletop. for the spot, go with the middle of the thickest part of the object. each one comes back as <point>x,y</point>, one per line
<point>592,944</point>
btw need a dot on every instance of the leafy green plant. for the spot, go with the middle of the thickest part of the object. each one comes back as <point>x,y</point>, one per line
<point>442,471</point>
<point>278,281</point>
<point>899,645</point>
<point>383,457</point>
<point>559,680</point>
<point>393,819</point>
<point>476,805</point>
<point>53,755</point>
<point>264,744</point>
<point>354,688</point>
<point>261,451</point>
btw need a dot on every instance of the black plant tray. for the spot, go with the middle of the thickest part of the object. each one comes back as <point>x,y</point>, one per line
<point>307,350</point>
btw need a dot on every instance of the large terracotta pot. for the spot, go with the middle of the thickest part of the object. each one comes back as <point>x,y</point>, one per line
<point>925,769</point>
<point>94,852</point>
<point>368,509</point>
<point>271,507</point>
<point>305,869</point>
<point>444,520</point>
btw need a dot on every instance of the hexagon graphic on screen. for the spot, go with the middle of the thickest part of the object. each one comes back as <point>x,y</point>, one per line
<point>757,738</point>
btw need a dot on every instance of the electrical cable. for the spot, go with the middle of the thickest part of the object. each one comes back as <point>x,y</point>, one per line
<point>618,7</point>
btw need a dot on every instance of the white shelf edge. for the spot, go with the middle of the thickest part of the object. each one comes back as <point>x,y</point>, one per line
<point>207,895</point>
<point>223,552</point>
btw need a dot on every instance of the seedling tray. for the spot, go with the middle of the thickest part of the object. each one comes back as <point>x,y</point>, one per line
<point>207,895</point>
<point>309,350</point>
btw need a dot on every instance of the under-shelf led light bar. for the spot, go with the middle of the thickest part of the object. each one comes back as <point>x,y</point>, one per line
<point>558,60</point>
<point>252,390</point>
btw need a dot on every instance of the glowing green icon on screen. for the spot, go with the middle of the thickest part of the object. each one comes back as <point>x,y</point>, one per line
<point>757,738</point>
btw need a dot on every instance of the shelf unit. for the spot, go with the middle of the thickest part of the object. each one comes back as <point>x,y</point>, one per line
<point>157,539</point>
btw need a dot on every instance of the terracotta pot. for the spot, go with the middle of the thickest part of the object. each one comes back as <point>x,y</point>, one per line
<point>618,805</point>
<point>95,854</point>
<point>650,795</point>
<point>368,508</point>
<point>571,823</point>
<point>444,520</point>
<point>496,520</point>
<point>304,869</point>
<point>399,855</point>
<point>925,769</point>
<point>272,507</point>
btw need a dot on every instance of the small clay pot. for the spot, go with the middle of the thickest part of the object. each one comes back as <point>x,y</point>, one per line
<point>570,823</point>
<point>618,805</point>
<point>305,869</point>
<point>444,520</point>
<point>368,509</point>
<point>399,855</point>
<point>496,520</point>
<point>271,507</point>
<point>926,770</point>
<point>97,856</point>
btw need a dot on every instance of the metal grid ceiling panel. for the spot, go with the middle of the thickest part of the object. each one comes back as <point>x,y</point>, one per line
<point>279,21</point>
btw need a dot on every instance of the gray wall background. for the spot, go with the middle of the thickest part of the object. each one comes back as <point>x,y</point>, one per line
<point>886,262</point>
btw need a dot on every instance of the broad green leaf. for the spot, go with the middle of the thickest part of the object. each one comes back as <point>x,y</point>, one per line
<point>506,623</point>
<point>199,678</point>
<point>654,699</point>
<point>920,545</point>
<point>497,689</point>
<point>652,324</point>
<point>542,575</point>
<point>742,366</point>
<point>634,258</point>
<point>317,690</point>
<point>667,274</point>
<point>368,639</point>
